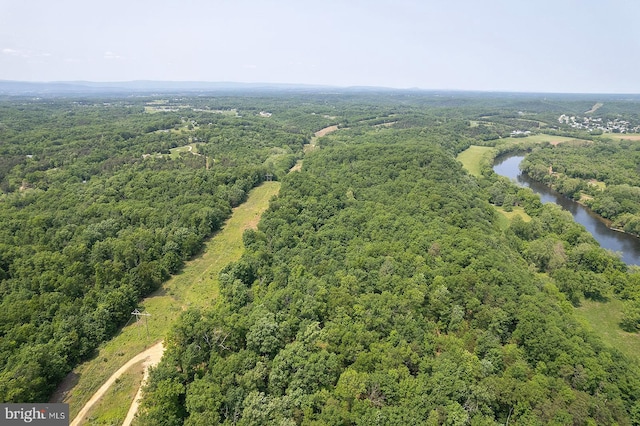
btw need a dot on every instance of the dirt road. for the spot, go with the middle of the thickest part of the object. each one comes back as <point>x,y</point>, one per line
<point>312,145</point>
<point>152,357</point>
<point>320,133</point>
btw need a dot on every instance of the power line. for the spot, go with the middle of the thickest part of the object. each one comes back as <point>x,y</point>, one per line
<point>139,314</point>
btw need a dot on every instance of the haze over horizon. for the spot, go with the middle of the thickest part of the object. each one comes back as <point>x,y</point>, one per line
<point>565,46</point>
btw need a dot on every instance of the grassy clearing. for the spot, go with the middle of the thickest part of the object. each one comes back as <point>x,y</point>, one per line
<point>598,184</point>
<point>517,211</point>
<point>229,112</point>
<point>175,152</point>
<point>604,319</point>
<point>622,136</point>
<point>539,138</point>
<point>195,286</point>
<point>472,158</point>
<point>307,148</point>
<point>476,123</point>
<point>113,407</point>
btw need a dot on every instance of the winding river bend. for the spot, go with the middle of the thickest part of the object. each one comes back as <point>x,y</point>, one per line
<point>624,244</point>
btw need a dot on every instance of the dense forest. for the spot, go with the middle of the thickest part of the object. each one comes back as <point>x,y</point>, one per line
<point>379,289</point>
<point>97,212</point>
<point>381,286</point>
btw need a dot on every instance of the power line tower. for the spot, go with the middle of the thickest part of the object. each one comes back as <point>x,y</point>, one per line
<point>139,314</point>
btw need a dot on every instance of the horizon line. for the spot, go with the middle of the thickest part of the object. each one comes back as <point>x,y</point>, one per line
<point>113,84</point>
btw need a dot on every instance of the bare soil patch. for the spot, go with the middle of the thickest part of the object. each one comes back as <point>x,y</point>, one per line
<point>320,133</point>
<point>635,137</point>
<point>594,108</point>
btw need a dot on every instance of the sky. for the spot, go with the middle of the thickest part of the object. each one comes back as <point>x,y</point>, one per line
<point>568,46</point>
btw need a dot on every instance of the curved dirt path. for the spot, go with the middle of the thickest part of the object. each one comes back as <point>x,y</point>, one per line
<point>152,361</point>
<point>312,145</point>
<point>152,357</point>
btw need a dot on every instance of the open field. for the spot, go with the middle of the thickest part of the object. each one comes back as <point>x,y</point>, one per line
<point>517,211</point>
<point>175,152</point>
<point>322,132</point>
<point>622,136</point>
<point>598,184</point>
<point>604,319</point>
<point>196,285</point>
<point>230,112</point>
<point>154,110</point>
<point>160,105</point>
<point>472,158</point>
<point>539,138</point>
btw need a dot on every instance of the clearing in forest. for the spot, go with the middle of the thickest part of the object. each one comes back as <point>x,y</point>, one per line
<point>510,215</point>
<point>175,152</point>
<point>604,318</point>
<point>110,402</point>
<point>539,138</point>
<point>623,136</point>
<point>473,158</point>
<point>118,396</point>
<point>312,145</point>
<point>195,286</point>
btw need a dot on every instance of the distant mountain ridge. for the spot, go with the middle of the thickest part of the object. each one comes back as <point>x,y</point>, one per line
<point>151,87</point>
<point>17,88</point>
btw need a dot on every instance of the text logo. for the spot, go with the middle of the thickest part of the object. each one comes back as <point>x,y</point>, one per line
<point>34,414</point>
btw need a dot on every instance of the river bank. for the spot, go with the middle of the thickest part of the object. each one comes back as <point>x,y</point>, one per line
<point>627,245</point>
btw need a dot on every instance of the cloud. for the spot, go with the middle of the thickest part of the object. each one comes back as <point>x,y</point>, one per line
<point>110,56</point>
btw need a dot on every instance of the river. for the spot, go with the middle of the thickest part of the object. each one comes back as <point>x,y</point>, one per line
<point>626,245</point>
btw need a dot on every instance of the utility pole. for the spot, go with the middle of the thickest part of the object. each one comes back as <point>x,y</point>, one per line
<point>139,314</point>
